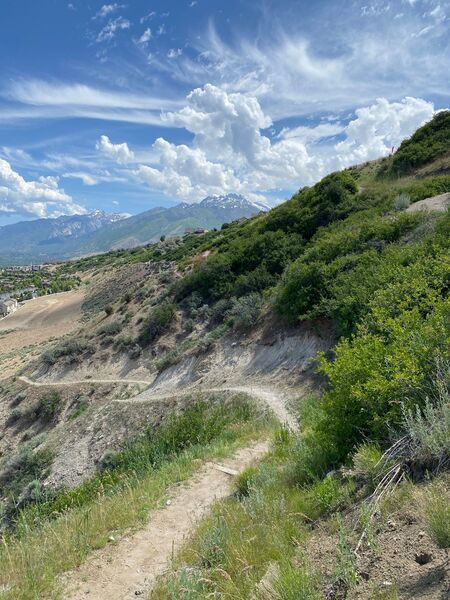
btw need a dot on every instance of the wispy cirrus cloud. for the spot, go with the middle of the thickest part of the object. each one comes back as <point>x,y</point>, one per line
<point>37,99</point>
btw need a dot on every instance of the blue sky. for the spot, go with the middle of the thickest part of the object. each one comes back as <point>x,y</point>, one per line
<point>125,106</point>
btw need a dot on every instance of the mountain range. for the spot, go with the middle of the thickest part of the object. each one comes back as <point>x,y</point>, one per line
<point>45,240</point>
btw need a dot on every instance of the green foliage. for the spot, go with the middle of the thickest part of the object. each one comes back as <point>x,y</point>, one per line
<point>245,311</point>
<point>293,583</point>
<point>324,496</point>
<point>429,426</point>
<point>426,144</point>
<point>111,328</point>
<point>244,481</point>
<point>21,469</point>
<point>366,462</point>
<point>109,309</point>
<point>49,405</point>
<point>437,513</point>
<point>157,323</point>
<point>379,371</point>
<point>69,349</point>
<point>342,266</point>
<point>428,187</point>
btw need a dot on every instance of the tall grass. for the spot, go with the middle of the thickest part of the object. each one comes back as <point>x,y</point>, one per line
<point>43,548</point>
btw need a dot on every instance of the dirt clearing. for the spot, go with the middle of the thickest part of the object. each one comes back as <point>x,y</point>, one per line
<point>129,568</point>
<point>41,319</point>
<point>437,203</point>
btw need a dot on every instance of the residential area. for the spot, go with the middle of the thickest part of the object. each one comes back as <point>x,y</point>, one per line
<point>20,283</point>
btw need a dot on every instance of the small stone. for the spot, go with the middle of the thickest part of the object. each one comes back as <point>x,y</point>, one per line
<point>386,584</point>
<point>423,558</point>
<point>138,592</point>
<point>169,502</point>
<point>421,534</point>
<point>111,538</point>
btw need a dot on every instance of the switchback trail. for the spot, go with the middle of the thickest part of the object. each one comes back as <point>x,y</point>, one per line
<point>129,568</point>
<point>29,381</point>
<point>275,399</point>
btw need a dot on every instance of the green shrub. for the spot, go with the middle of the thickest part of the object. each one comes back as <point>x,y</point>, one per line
<point>429,426</point>
<point>70,350</point>
<point>109,309</point>
<point>111,328</point>
<point>157,323</point>
<point>402,201</point>
<point>244,481</point>
<point>324,496</point>
<point>15,415</point>
<point>437,513</point>
<point>245,311</point>
<point>366,462</point>
<point>375,374</point>
<point>426,144</point>
<point>49,405</point>
<point>21,469</point>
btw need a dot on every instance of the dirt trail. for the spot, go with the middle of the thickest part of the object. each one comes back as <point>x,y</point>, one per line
<point>275,399</point>
<point>129,569</point>
<point>29,381</point>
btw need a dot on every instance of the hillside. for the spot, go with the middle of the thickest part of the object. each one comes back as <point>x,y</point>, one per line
<point>312,341</point>
<point>47,240</point>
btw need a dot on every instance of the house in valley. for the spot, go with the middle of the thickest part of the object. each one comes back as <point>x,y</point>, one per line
<point>8,306</point>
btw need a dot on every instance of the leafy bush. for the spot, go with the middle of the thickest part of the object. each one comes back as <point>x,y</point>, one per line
<point>111,328</point>
<point>157,323</point>
<point>426,144</point>
<point>402,201</point>
<point>49,405</point>
<point>429,426</point>
<point>109,309</point>
<point>366,462</point>
<point>324,496</point>
<point>245,311</point>
<point>23,468</point>
<point>69,349</point>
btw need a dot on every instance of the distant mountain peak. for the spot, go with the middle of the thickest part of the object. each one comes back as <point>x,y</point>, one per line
<point>230,201</point>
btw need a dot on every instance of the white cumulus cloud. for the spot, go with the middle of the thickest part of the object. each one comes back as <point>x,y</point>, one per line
<point>118,152</point>
<point>231,150</point>
<point>41,198</point>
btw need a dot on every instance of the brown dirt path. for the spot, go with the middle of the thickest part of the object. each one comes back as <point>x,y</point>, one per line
<point>129,568</point>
